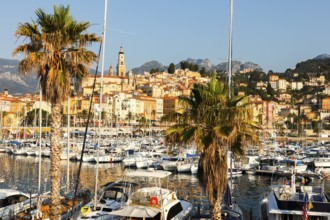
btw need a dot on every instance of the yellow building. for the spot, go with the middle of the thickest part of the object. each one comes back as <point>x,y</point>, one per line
<point>172,104</point>
<point>150,105</point>
<point>273,77</point>
<point>110,84</point>
<point>326,103</point>
<point>13,111</point>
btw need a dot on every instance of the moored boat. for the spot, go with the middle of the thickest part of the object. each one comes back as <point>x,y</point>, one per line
<point>154,202</point>
<point>114,196</point>
<point>287,202</point>
<point>13,202</point>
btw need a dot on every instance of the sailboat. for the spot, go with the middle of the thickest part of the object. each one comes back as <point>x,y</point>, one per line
<point>229,209</point>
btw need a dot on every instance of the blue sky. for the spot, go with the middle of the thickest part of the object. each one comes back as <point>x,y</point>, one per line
<point>276,34</point>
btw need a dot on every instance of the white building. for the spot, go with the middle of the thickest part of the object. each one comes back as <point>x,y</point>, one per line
<point>296,85</point>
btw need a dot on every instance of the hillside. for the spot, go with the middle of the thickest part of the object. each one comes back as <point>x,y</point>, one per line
<point>15,82</point>
<point>319,64</point>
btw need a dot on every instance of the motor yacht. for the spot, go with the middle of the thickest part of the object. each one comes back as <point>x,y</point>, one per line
<point>153,202</point>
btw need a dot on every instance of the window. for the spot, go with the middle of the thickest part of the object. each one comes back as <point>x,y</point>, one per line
<point>174,210</point>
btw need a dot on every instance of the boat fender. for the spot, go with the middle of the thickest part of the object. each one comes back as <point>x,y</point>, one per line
<point>284,181</point>
<point>323,175</point>
<point>281,192</point>
<point>111,157</point>
<point>173,196</point>
<point>85,210</point>
<point>153,201</point>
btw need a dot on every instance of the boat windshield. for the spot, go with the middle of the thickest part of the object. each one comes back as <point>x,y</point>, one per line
<point>149,196</point>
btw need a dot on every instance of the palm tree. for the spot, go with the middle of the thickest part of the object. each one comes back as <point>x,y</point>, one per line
<point>216,124</point>
<point>30,117</point>
<point>84,115</point>
<point>129,117</point>
<point>54,47</point>
<point>143,123</point>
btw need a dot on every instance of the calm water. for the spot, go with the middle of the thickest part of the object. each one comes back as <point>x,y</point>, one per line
<point>21,172</point>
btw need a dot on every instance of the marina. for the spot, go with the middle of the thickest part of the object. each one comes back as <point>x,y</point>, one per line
<point>21,173</point>
<point>192,140</point>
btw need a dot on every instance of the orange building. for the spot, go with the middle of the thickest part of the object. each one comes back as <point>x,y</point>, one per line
<point>326,103</point>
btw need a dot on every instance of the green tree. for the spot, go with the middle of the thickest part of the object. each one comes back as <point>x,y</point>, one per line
<point>129,117</point>
<point>83,114</point>
<point>257,76</point>
<point>186,65</point>
<point>143,123</point>
<point>270,90</point>
<point>216,124</point>
<point>33,116</point>
<point>171,68</point>
<point>154,70</point>
<point>203,71</point>
<point>54,47</point>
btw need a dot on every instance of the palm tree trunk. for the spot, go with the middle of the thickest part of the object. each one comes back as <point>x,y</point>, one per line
<point>216,209</point>
<point>55,210</point>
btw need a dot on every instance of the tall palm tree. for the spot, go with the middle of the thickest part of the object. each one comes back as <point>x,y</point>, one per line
<point>129,117</point>
<point>216,124</point>
<point>54,46</point>
<point>143,123</point>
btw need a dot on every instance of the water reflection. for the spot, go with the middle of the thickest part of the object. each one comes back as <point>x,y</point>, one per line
<point>21,172</point>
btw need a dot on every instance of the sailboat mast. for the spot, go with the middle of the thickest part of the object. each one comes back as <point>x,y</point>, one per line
<point>40,133</point>
<point>230,51</point>
<point>68,147</point>
<point>230,56</point>
<point>100,109</point>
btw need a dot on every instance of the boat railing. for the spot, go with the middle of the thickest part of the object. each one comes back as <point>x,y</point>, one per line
<point>263,196</point>
<point>11,211</point>
<point>145,198</point>
<point>154,199</point>
<point>72,210</point>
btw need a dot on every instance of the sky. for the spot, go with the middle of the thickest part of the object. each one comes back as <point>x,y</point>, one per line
<point>276,34</point>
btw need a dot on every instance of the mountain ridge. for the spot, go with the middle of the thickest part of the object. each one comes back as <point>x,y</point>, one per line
<point>202,63</point>
<point>15,82</point>
<point>18,84</point>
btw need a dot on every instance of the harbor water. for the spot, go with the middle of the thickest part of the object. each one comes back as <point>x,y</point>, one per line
<point>21,172</point>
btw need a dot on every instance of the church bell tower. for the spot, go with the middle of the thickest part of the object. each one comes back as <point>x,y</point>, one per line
<point>121,67</point>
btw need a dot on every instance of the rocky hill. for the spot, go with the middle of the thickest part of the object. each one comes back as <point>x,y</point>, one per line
<point>148,66</point>
<point>15,82</point>
<point>206,63</point>
<point>319,64</point>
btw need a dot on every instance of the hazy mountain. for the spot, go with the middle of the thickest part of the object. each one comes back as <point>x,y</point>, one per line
<point>322,57</point>
<point>206,63</point>
<point>15,82</point>
<point>148,66</point>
